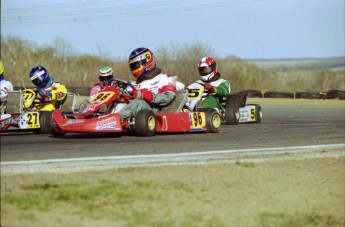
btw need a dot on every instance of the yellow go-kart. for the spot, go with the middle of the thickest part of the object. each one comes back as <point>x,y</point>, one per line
<point>27,111</point>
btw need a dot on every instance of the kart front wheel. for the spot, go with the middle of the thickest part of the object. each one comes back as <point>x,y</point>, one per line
<point>45,119</point>
<point>213,120</point>
<point>145,123</point>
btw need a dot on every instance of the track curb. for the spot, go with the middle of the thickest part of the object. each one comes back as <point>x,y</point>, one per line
<point>254,155</point>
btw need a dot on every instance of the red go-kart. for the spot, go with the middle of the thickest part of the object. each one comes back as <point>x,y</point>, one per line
<point>101,115</point>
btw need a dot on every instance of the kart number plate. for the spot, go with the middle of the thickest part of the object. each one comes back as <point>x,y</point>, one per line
<point>194,93</point>
<point>28,95</point>
<point>247,114</point>
<point>198,119</point>
<point>252,114</point>
<point>29,120</point>
<point>102,96</point>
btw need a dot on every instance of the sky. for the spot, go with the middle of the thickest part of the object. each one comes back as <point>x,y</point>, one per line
<point>247,29</point>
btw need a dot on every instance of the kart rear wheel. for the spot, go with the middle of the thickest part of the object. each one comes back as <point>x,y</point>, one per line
<point>145,123</point>
<point>258,113</point>
<point>45,123</point>
<point>232,114</point>
<point>213,120</point>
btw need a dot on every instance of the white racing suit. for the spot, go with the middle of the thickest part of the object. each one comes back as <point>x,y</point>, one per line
<point>162,86</point>
<point>5,86</point>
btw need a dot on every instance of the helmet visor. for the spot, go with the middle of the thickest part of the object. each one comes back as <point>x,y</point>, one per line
<point>136,65</point>
<point>105,78</point>
<point>205,70</point>
<point>38,82</point>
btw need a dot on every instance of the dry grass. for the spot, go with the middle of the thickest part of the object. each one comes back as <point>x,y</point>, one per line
<point>20,56</point>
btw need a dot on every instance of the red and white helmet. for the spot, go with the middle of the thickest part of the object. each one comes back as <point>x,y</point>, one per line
<point>208,69</point>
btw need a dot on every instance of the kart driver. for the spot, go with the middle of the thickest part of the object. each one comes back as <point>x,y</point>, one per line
<point>105,75</point>
<point>5,86</point>
<point>216,88</point>
<point>49,93</point>
<point>154,89</point>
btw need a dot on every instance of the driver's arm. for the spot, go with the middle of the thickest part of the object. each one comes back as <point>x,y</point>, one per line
<point>223,89</point>
<point>164,98</point>
<point>166,94</point>
<point>60,93</point>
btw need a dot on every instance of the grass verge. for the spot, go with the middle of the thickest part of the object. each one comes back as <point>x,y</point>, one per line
<point>274,193</point>
<point>297,102</point>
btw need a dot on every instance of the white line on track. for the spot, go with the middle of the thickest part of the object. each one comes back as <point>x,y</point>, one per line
<point>131,160</point>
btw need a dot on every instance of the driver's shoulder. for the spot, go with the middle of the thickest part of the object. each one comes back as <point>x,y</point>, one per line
<point>219,82</point>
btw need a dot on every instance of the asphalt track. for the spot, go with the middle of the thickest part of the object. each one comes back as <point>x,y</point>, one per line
<point>281,126</point>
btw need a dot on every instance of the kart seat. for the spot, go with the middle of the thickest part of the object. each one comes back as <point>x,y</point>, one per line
<point>69,103</point>
<point>14,102</point>
<point>178,103</point>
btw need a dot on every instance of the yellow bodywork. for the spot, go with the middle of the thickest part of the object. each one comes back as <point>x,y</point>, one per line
<point>59,94</point>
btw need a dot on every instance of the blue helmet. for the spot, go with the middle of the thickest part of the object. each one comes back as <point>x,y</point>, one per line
<point>39,76</point>
<point>141,62</point>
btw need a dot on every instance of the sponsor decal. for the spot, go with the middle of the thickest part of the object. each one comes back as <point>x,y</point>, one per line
<point>107,124</point>
<point>74,121</point>
<point>92,106</point>
<point>60,95</point>
<point>37,75</point>
<point>5,116</point>
<point>244,113</point>
<point>154,83</point>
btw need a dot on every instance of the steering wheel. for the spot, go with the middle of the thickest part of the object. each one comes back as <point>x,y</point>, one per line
<point>123,85</point>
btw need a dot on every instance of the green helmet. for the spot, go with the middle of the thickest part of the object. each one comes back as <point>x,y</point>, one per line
<point>105,74</point>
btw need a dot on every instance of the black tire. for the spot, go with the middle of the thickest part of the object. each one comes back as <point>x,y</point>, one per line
<point>45,123</point>
<point>309,95</point>
<point>213,120</point>
<point>232,113</point>
<point>145,123</point>
<point>273,94</point>
<point>253,93</point>
<point>239,99</point>
<point>332,94</point>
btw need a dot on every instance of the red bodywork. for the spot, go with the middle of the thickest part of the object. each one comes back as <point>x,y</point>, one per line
<point>165,122</point>
<point>88,122</point>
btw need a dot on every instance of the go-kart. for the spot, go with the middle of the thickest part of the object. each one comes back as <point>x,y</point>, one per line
<point>234,109</point>
<point>26,111</point>
<point>101,114</point>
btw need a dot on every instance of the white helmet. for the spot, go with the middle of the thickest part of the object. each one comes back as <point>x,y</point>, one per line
<point>208,69</point>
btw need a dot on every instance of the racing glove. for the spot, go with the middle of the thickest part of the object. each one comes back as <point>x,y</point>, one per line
<point>210,88</point>
<point>144,94</point>
<point>127,95</point>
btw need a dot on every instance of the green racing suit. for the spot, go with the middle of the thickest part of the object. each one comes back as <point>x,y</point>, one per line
<point>213,100</point>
